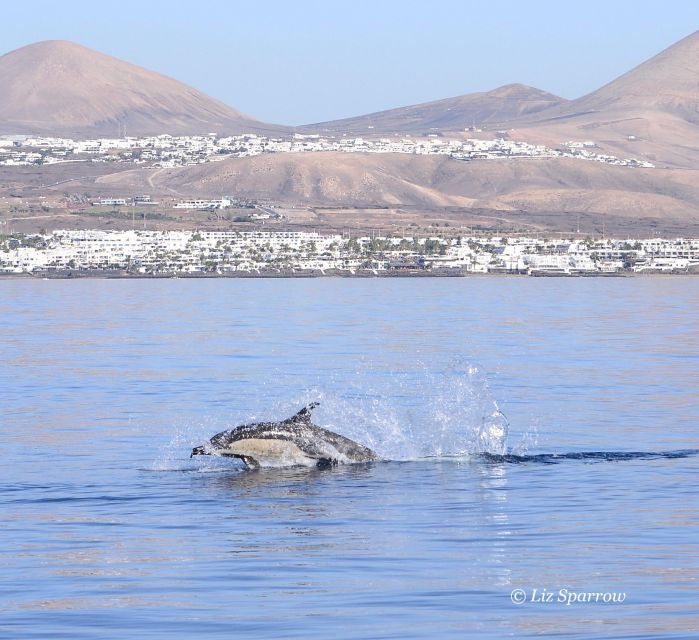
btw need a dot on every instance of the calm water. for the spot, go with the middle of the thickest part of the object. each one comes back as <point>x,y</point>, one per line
<point>109,530</point>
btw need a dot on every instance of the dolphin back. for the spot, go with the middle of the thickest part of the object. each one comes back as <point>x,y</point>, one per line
<point>353,451</point>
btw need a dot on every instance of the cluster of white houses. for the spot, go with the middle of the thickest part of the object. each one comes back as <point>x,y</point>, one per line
<point>172,151</point>
<point>228,252</point>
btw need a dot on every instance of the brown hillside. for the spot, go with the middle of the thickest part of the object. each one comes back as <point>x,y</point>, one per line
<point>451,114</point>
<point>534,185</point>
<point>62,88</point>
<point>656,104</point>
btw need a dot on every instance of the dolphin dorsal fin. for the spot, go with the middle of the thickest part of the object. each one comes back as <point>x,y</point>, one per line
<point>305,414</point>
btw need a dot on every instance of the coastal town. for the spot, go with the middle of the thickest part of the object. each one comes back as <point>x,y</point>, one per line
<point>144,253</point>
<point>164,151</point>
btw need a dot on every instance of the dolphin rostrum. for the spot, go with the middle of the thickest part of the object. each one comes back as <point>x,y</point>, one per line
<point>294,441</point>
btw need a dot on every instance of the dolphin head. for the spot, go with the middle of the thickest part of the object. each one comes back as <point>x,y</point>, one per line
<point>200,451</point>
<point>214,446</point>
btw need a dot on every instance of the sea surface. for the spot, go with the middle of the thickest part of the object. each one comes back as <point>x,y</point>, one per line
<point>539,435</point>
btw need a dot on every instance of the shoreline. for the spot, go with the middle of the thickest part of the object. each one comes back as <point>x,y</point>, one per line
<point>363,274</point>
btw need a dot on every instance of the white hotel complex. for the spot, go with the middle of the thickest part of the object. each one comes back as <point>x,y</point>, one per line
<point>231,252</point>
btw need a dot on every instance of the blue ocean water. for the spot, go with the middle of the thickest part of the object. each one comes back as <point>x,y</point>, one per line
<point>109,530</point>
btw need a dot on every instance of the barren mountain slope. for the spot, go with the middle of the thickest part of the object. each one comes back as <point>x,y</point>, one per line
<point>450,114</point>
<point>429,181</point>
<point>651,111</point>
<point>61,88</point>
<point>308,178</point>
<point>667,82</point>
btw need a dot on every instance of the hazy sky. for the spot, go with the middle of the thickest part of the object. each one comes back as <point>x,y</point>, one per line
<point>303,61</point>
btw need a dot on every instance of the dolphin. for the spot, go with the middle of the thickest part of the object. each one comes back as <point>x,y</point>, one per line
<point>291,442</point>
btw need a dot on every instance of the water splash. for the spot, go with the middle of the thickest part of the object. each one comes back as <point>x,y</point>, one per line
<point>173,455</point>
<point>402,415</point>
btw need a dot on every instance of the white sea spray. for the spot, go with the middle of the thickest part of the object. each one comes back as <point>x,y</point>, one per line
<point>417,412</point>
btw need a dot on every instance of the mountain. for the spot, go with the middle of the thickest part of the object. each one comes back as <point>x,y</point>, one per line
<point>62,88</point>
<point>303,178</point>
<point>668,82</point>
<point>451,114</point>
<point>555,186</point>
<point>652,111</point>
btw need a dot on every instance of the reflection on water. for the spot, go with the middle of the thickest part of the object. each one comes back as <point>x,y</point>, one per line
<point>107,524</point>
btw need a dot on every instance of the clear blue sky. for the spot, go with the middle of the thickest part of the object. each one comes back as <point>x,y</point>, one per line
<point>303,61</point>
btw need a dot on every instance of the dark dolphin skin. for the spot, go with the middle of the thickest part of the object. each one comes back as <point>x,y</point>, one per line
<point>295,440</point>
